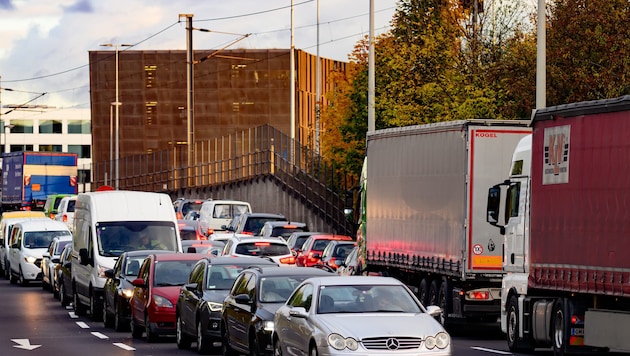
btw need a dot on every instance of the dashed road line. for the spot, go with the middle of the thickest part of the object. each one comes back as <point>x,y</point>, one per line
<point>83,325</point>
<point>124,346</point>
<point>498,352</point>
<point>100,335</point>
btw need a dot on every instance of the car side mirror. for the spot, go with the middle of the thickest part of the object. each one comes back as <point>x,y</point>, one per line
<point>242,299</point>
<point>434,310</point>
<point>191,287</point>
<point>298,312</point>
<point>139,282</point>
<point>109,273</point>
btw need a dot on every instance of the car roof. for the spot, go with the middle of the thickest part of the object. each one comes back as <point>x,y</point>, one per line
<point>297,271</point>
<point>263,215</point>
<point>331,237</point>
<point>357,280</point>
<point>240,260</point>
<point>248,238</point>
<point>136,253</point>
<point>283,223</point>
<point>43,225</point>
<point>177,256</point>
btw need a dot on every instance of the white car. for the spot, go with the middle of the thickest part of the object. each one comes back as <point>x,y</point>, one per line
<point>50,260</point>
<point>65,210</point>
<point>273,248</point>
<point>360,315</point>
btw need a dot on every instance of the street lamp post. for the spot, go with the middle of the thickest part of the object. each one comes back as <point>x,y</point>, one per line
<point>117,103</point>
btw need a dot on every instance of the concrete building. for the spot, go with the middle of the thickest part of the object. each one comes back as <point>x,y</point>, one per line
<point>233,90</point>
<point>44,128</point>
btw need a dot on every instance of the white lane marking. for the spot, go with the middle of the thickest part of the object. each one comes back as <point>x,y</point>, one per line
<point>24,344</point>
<point>73,315</point>
<point>124,346</point>
<point>83,325</point>
<point>99,335</point>
<point>499,352</point>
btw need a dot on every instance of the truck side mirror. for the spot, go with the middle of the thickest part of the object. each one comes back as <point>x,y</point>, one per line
<point>493,208</point>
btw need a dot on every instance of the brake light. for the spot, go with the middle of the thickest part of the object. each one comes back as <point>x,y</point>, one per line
<point>479,295</point>
<point>288,260</point>
<point>290,227</point>
<point>247,233</point>
<point>262,244</point>
<point>180,216</point>
<point>65,218</point>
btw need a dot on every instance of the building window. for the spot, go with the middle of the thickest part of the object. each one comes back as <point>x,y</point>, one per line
<point>82,151</point>
<point>85,176</point>
<point>50,127</point>
<point>21,126</point>
<point>79,127</point>
<point>20,148</point>
<point>50,148</point>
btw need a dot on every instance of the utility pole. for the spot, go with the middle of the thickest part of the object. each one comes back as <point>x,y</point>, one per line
<point>371,73</point>
<point>190,98</point>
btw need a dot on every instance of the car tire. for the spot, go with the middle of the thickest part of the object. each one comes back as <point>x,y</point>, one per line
<point>226,349</point>
<point>12,278</point>
<point>151,336</point>
<point>95,311</point>
<point>79,309</point>
<point>22,281</point>
<point>182,340</point>
<point>119,320</point>
<point>55,290</point>
<point>277,349</point>
<point>108,320</point>
<point>63,299</point>
<point>434,290</point>
<point>136,330</point>
<point>7,270</point>
<point>254,346</point>
<point>423,291</point>
<point>204,344</point>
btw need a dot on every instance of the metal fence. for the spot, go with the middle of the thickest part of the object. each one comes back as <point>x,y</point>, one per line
<point>260,151</point>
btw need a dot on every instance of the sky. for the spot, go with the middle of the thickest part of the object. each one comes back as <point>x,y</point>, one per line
<point>44,44</point>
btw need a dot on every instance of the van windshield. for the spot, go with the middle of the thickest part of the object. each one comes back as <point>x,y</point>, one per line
<point>114,238</point>
<point>41,239</point>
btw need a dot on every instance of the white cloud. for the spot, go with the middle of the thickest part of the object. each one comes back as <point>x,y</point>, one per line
<point>44,47</point>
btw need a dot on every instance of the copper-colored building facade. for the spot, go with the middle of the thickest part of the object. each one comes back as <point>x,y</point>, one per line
<point>234,90</point>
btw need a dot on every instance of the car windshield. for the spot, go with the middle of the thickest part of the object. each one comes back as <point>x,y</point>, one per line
<point>286,231</point>
<point>132,265</point>
<point>279,289</point>
<point>60,247</point>
<point>41,239</point>
<point>229,211</point>
<point>262,248</point>
<point>222,277</point>
<point>366,299</point>
<point>71,204</point>
<point>114,238</point>
<point>172,273</point>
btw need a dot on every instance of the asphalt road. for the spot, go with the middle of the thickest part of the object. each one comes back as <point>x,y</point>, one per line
<point>32,322</point>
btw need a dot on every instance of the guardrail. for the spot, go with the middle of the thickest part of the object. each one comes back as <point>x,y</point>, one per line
<point>254,153</point>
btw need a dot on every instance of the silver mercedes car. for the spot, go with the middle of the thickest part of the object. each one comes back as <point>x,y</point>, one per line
<point>364,315</point>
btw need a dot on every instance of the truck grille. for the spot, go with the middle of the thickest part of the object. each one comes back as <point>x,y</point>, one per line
<point>390,343</point>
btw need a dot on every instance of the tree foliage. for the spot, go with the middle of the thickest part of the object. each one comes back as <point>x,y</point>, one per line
<point>443,61</point>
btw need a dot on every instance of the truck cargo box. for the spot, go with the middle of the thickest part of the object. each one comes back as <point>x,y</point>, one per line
<point>427,194</point>
<point>580,199</point>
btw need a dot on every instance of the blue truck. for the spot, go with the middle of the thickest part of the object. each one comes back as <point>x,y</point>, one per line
<point>29,177</point>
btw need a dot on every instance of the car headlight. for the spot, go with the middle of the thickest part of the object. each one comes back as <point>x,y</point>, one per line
<point>127,293</point>
<point>30,259</point>
<point>162,302</point>
<point>268,325</point>
<point>441,341</point>
<point>339,342</point>
<point>215,307</point>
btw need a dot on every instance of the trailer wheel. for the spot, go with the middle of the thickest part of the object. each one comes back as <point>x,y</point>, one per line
<point>433,292</point>
<point>559,327</point>
<point>423,292</point>
<point>444,301</point>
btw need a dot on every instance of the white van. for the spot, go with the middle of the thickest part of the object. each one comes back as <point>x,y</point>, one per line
<point>8,219</point>
<point>65,210</point>
<point>29,240</point>
<point>215,215</point>
<point>108,223</point>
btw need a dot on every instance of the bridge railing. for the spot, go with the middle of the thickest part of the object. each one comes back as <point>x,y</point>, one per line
<point>256,152</point>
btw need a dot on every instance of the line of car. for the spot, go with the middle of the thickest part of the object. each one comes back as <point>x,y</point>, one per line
<point>233,293</point>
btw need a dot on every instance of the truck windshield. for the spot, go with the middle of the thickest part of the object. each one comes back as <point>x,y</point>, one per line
<point>114,238</point>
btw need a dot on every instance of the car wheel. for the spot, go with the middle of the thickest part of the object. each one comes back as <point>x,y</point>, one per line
<point>108,320</point>
<point>55,290</point>
<point>226,349</point>
<point>136,330</point>
<point>183,341</point>
<point>119,319</point>
<point>63,299</point>
<point>45,285</point>
<point>79,309</point>
<point>423,292</point>
<point>277,349</point>
<point>444,301</point>
<point>12,278</point>
<point>433,293</point>
<point>7,270</point>
<point>22,281</point>
<point>95,311</point>
<point>151,336</point>
<point>254,347</point>
<point>204,345</point>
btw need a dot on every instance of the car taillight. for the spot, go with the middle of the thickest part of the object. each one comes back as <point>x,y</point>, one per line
<point>248,233</point>
<point>65,218</point>
<point>262,244</point>
<point>180,216</point>
<point>288,260</point>
<point>333,263</point>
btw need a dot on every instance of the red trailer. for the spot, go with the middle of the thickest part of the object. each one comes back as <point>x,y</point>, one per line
<point>565,215</point>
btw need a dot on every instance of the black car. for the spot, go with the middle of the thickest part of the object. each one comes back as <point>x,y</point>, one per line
<point>248,310</point>
<point>198,309</point>
<point>336,252</point>
<point>118,288</point>
<point>64,276</point>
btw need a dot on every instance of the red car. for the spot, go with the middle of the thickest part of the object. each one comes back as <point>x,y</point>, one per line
<point>311,252</point>
<point>156,291</point>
